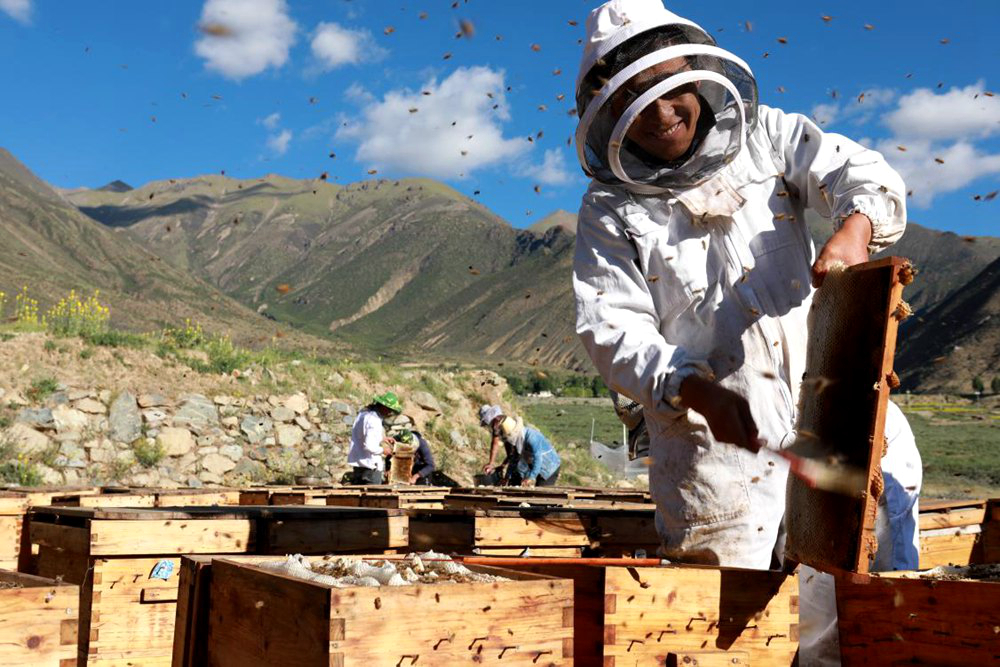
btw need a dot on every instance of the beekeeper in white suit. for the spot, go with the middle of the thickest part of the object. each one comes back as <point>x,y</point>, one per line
<point>694,266</point>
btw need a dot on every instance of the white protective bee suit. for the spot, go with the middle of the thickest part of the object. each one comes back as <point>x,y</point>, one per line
<point>703,267</point>
<point>709,273</point>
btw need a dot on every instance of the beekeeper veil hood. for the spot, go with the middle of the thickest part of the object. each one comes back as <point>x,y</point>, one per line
<point>640,56</point>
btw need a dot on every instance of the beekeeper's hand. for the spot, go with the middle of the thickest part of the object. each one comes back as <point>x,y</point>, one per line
<point>727,413</point>
<point>848,245</point>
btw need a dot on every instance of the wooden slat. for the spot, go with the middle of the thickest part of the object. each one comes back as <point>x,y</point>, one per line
<point>893,620</point>
<point>38,622</point>
<point>683,609</point>
<point>170,536</point>
<point>937,550</point>
<point>316,536</point>
<point>265,618</point>
<point>937,505</point>
<point>952,518</point>
<point>491,531</point>
<point>69,538</point>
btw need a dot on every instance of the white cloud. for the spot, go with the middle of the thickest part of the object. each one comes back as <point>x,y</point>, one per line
<point>939,133</point>
<point>962,163</point>
<point>938,130</point>
<point>553,170</point>
<point>858,109</point>
<point>19,10</point>
<point>278,143</point>
<point>960,113</point>
<point>249,37</point>
<point>271,121</point>
<point>334,45</point>
<point>431,140</point>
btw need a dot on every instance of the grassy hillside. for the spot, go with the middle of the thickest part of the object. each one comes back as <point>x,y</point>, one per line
<point>390,266</point>
<point>51,248</point>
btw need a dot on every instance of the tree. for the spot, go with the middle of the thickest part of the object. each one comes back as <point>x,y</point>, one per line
<point>995,384</point>
<point>977,385</point>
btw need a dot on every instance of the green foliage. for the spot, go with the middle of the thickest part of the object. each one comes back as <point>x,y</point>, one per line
<point>146,454</point>
<point>977,385</point>
<point>20,471</point>
<point>958,449</point>
<point>49,346</point>
<point>41,388</point>
<point>4,421</point>
<point>559,383</point>
<point>113,338</point>
<point>118,468</point>
<point>4,337</point>
<point>86,353</point>
<point>188,337</point>
<point>76,316</point>
<point>995,384</point>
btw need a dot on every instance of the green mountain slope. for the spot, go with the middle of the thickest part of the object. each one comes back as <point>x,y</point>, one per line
<point>391,266</point>
<point>401,267</point>
<point>51,248</point>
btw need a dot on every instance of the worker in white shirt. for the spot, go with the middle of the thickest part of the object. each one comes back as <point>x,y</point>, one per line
<point>369,443</point>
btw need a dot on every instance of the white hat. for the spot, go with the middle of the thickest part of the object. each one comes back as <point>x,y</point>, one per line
<point>628,64</point>
<point>488,413</point>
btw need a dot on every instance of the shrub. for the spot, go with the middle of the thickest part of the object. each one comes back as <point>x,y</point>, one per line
<point>995,384</point>
<point>148,455</point>
<point>86,353</point>
<point>74,316</point>
<point>224,357</point>
<point>41,388</point>
<point>112,338</point>
<point>977,385</point>
<point>186,338</point>
<point>21,472</point>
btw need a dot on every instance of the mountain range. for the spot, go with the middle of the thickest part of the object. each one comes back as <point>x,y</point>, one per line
<point>50,247</point>
<point>407,267</point>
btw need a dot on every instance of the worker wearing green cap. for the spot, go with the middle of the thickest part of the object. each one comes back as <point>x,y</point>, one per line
<point>369,443</point>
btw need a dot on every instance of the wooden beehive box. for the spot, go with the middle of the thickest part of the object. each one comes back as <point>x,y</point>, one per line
<point>12,509</point>
<point>952,532</point>
<point>38,621</point>
<point>507,532</point>
<point>676,614</point>
<point>621,531</point>
<point>891,619</point>
<point>126,560</point>
<point>842,407</point>
<point>259,617</point>
<point>196,497</point>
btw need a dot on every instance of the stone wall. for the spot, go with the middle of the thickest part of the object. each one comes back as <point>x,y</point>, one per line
<point>78,436</point>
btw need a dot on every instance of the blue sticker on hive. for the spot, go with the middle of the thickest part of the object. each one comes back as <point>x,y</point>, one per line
<point>162,570</point>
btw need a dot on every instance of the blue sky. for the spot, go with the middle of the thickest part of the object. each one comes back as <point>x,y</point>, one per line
<point>83,81</point>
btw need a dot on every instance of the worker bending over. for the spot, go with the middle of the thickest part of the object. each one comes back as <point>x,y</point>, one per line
<point>530,458</point>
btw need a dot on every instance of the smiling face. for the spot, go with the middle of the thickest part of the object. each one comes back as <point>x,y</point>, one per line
<point>667,126</point>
